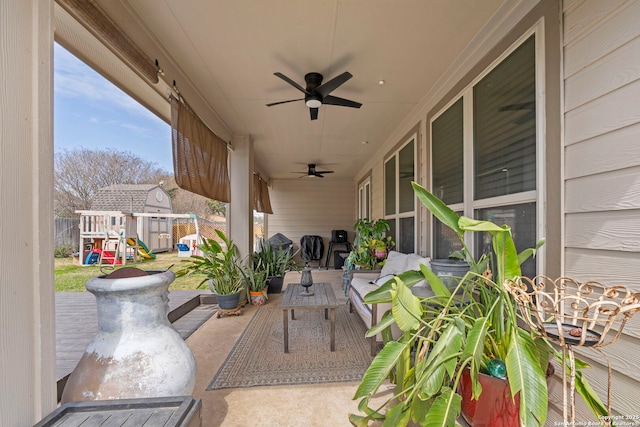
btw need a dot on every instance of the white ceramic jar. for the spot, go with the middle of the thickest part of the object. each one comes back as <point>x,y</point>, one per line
<point>136,353</point>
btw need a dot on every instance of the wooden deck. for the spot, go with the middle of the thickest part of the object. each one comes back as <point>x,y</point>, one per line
<point>77,323</point>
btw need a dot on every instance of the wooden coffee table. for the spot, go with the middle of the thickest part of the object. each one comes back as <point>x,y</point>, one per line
<point>322,298</point>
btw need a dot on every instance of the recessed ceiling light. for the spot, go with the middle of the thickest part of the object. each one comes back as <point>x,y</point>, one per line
<point>364,142</point>
<point>380,82</point>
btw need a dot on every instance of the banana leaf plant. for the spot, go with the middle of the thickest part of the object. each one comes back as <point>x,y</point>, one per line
<point>220,264</point>
<point>452,331</point>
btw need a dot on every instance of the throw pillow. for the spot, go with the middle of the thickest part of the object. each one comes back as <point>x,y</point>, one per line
<point>414,261</point>
<point>395,264</point>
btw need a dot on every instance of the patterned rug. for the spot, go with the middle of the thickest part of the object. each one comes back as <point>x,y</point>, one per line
<point>258,358</point>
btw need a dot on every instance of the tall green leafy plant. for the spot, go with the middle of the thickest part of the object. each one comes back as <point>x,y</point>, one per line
<point>370,237</point>
<point>453,331</point>
<point>274,262</point>
<point>220,263</point>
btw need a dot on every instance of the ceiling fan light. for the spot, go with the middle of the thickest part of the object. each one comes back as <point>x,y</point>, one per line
<point>313,102</point>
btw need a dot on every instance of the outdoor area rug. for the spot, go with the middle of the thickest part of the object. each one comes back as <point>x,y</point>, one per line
<point>258,358</point>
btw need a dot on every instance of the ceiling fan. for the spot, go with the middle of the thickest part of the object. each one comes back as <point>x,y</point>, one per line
<point>312,172</point>
<point>317,94</point>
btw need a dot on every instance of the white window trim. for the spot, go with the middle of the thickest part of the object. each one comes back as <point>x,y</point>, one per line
<point>408,214</point>
<point>469,206</point>
<point>364,190</point>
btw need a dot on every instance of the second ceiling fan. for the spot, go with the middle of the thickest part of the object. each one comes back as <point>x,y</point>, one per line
<point>312,172</point>
<point>317,94</point>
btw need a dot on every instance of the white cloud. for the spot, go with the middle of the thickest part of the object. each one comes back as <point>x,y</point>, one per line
<point>74,79</point>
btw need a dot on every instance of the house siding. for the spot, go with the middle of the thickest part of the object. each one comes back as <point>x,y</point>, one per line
<point>592,182</point>
<point>601,45</point>
<point>27,332</point>
<point>312,207</point>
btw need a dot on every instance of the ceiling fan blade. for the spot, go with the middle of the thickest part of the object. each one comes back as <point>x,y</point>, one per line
<point>334,100</point>
<point>314,113</point>
<point>333,84</point>
<point>317,172</point>
<point>284,102</point>
<point>291,82</point>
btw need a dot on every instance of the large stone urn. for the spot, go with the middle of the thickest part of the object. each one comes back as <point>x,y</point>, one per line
<point>136,353</point>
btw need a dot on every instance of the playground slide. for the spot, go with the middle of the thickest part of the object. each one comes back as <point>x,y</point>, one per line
<point>143,250</point>
<point>94,256</point>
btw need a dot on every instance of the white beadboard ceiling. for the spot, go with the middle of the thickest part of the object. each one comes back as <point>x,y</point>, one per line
<point>223,54</point>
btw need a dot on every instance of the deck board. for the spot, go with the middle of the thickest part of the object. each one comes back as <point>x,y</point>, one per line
<point>77,323</point>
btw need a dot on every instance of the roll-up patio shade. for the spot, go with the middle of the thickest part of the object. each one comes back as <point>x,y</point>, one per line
<point>90,15</point>
<point>261,201</point>
<point>200,157</point>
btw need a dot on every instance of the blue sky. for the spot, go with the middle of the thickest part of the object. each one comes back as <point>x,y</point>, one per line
<point>91,112</point>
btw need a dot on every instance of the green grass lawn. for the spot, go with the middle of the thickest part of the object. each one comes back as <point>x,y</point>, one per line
<point>70,277</point>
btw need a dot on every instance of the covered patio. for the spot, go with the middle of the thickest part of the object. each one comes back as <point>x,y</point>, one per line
<point>522,111</point>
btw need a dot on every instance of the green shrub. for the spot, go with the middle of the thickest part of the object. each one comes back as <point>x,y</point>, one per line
<point>63,251</point>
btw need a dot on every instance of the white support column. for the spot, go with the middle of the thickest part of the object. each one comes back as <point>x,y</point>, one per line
<point>27,333</point>
<point>240,212</point>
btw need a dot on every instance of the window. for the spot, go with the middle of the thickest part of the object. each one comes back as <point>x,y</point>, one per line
<point>399,199</point>
<point>364,198</point>
<point>484,149</point>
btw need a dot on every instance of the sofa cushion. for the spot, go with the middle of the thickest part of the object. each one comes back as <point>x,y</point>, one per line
<point>395,263</point>
<point>383,279</point>
<point>363,287</point>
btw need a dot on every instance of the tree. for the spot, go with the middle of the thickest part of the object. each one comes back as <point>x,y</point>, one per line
<point>184,201</point>
<point>81,172</point>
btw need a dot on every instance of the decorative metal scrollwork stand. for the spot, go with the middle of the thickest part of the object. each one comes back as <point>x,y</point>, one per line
<point>571,313</point>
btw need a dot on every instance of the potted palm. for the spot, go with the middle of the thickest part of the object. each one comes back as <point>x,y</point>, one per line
<point>222,267</point>
<point>459,333</point>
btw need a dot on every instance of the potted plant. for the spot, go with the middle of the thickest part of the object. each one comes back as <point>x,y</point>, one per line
<point>370,246</point>
<point>458,333</point>
<point>256,281</point>
<point>222,267</point>
<point>275,263</point>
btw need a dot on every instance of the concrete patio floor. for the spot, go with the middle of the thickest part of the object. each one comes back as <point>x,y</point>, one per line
<point>318,405</point>
<point>299,405</point>
<point>282,406</point>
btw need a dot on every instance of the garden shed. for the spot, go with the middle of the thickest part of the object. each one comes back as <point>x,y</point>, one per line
<point>155,232</point>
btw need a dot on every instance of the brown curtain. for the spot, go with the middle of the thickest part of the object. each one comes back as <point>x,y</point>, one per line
<point>199,156</point>
<point>261,201</point>
<point>96,21</point>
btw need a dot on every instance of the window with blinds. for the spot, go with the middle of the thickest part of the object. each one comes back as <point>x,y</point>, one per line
<point>399,198</point>
<point>504,126</point>
<point>484,151</point>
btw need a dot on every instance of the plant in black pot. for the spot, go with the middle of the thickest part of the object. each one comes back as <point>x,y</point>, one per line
<point>275,262</point>
<point>222,267</point>
<point>451,340</point>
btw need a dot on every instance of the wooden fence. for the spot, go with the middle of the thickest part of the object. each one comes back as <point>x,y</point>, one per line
<point>67,232</point>
<point>207,229</point>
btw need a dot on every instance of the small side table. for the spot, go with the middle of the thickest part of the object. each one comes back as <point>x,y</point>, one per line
<point>179,411</point>
<point>322,298</point>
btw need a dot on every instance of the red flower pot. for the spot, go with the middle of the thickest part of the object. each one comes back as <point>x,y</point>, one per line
<point>494,408</point>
